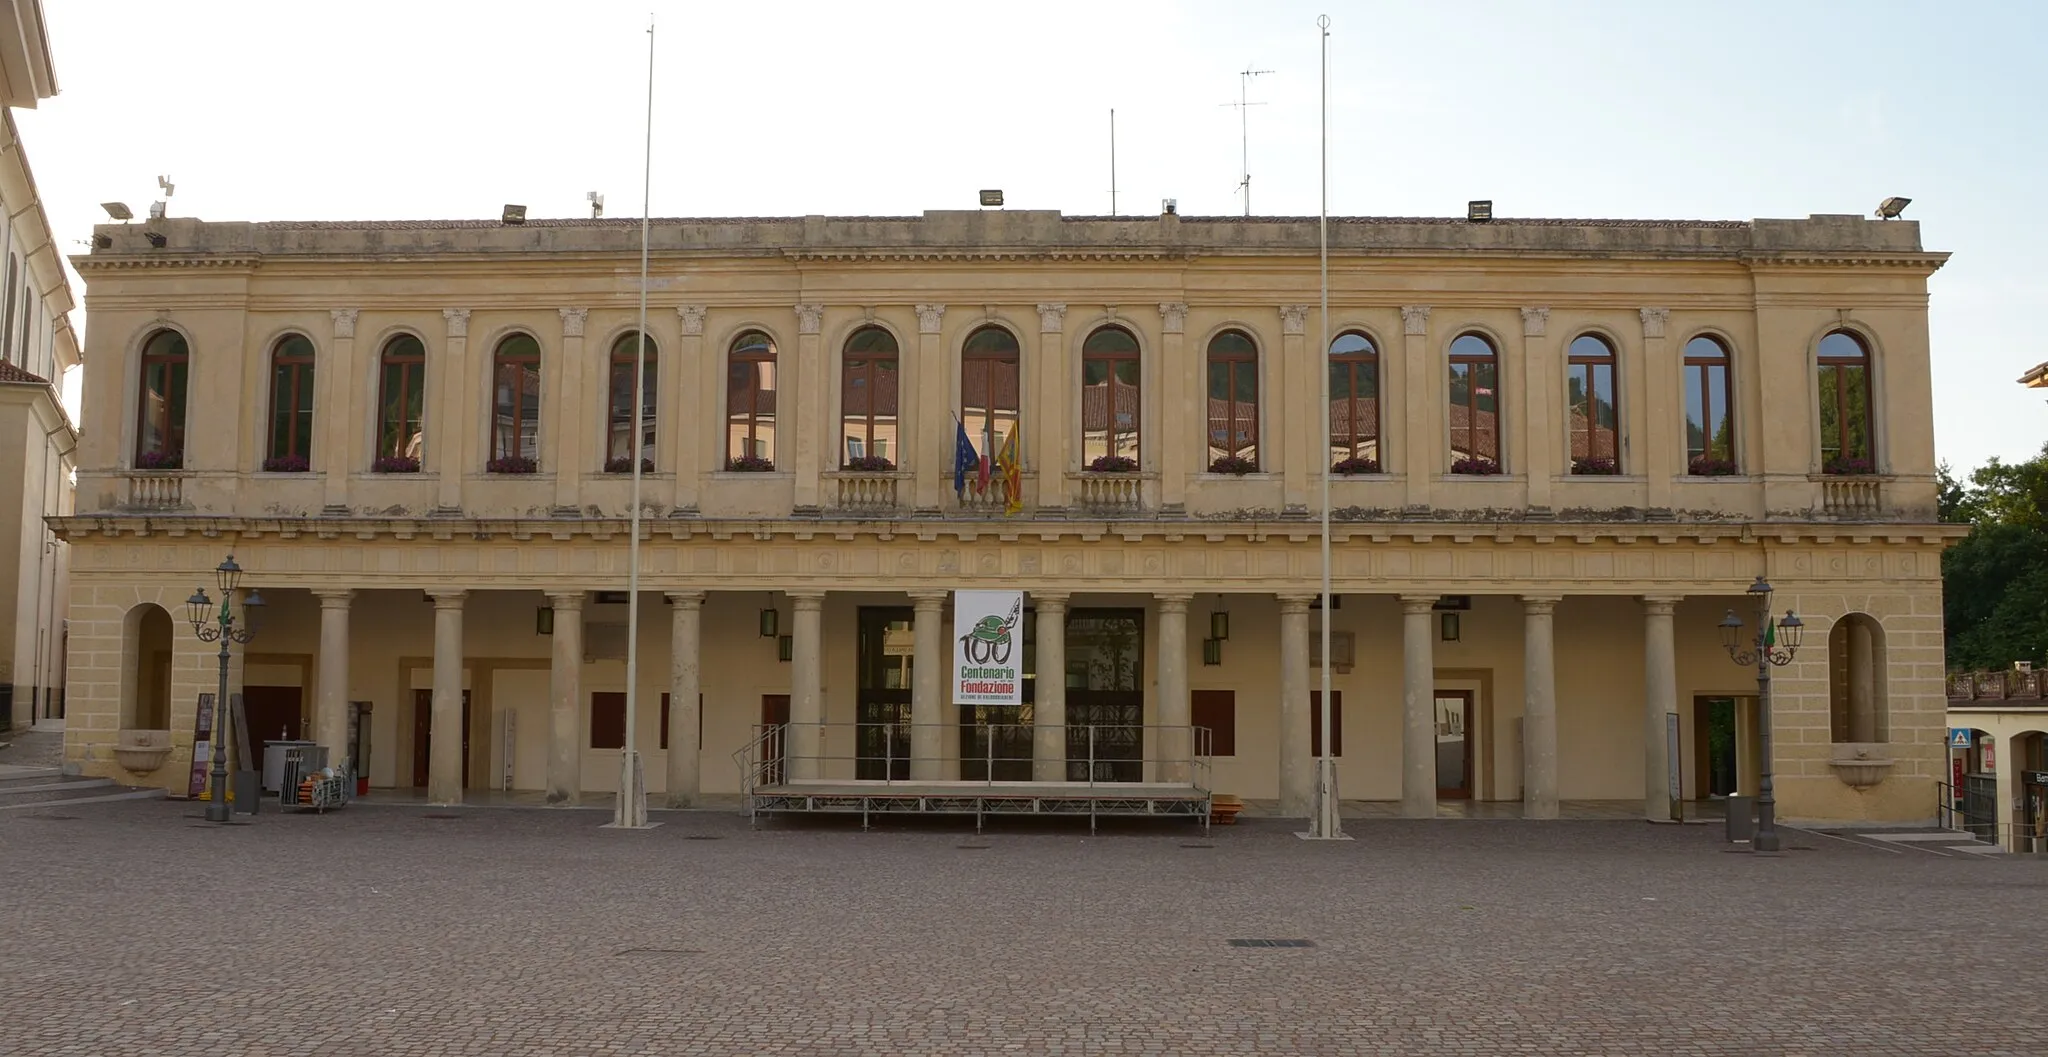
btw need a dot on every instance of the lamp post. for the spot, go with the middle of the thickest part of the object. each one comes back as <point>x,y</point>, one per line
<point>212,626</point>
<point>1770,645</point>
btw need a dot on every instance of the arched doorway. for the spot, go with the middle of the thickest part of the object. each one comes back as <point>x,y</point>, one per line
<point>146,677</point>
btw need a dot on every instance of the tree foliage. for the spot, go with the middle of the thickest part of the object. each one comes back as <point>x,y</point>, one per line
<point>1995,581</point>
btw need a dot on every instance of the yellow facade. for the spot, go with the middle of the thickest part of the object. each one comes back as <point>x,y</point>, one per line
<point>372,576</point>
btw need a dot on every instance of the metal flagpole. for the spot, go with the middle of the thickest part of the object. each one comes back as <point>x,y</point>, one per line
<point>631,812</point>
<point>1324,823</point>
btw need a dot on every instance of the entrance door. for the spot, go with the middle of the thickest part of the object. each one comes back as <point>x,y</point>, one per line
<point>1454,744</point>
<point>273,715</point>
<point>774,717</point>
<point>423,735</point>
<point>881,734</point>
<point>1713,721</point>
<point>1105,695</point>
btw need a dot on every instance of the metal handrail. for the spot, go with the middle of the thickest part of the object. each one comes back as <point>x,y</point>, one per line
<point>1192,768</point>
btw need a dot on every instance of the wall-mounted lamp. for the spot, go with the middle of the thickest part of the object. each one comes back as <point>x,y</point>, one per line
<point>1212,652</point>
<point>1219,621</point>
<point>771,621</point>
<point>1447,623</point>
<point>544,620</point>
<point>785,647</point>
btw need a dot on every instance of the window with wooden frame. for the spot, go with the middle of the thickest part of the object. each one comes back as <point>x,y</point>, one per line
<point>1475,404</point>
<point>1215,711</point>
<point>1709,419</point>
<point>868,394</point>
<point>1233,412</point>
<point>1111,410</point>
<point>619,400</point>
<point>160,409</point>
<point>750,389</point>
<point>291,402</point>
<point>990,384</point>
<point>401,399</point>
<point>515,413</point>
<point>1845,426</point>
<point>1592,422</point>
<point>1354,398</point>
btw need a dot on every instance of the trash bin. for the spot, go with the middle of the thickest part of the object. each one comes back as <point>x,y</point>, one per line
<point>1741,819</point>
<point>314,758</point>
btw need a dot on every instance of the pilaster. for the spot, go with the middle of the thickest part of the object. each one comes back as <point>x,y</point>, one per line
<point>814,428</point>
<point>1423,440</point>
<point>1174,429</point>
<point>334,394</point>
<point>1654,414</point>
<point>934,460</point>
<point>692,431</point>
<point>445,448</point>
<point>562,406</point>
<point>1294,375</point>
<point>1055,385</point>
<point>1534,374</point>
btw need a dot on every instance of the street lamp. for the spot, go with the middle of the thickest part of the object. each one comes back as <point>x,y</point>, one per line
<point>1771,644</point>
<point>219,626</point>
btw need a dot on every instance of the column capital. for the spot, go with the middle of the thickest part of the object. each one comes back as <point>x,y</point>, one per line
<point>565,601</point>
<point>447,597</point>
<point>344,321</point>
<point>807,601</point>
<point>809,315</point>
<point>1540,604</point>
<point>334,597</point>
<point>572,321</point>
<point>686,599</point>
<point>1661,605</point>
<point>1535,321</point>
<point>1296,603</point>
<point>927,601</point>
<point>1654,320</point>
<point>1173,316</point>
<point>1293,319</point>
<point>1418,603</point>
<point>928,317</point>
<point>1415,319</point>
<point>1050,600</point>
<point>1052,316</point>
<point>457,320</point>
<point>693,319</point>
<point>1173,603</point>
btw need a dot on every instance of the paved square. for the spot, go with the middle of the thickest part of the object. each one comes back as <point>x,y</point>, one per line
<point>134,928</point>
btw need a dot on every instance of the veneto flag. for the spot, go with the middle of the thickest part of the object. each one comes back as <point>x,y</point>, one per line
<point>1013,475</point>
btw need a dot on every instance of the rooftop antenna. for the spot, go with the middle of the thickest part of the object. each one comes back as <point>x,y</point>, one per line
<point>596,204</point>
<point>1244,105</point>
<point>158,210</point>
<point>1112,161</point>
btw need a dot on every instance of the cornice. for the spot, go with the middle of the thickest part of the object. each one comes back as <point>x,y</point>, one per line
<point>987,255</point>
<point>87,262</point>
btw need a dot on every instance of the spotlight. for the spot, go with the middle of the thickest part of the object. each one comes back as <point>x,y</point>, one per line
<point>513,214</point>
<point>992,198</point>
<point>596,204</point>
<point>118,210</point>
<point>1479,211</point>
<point>1890,208</point>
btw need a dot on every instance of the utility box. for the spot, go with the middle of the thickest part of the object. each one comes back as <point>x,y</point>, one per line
<point>1741,819</point>
<point>246,793</point>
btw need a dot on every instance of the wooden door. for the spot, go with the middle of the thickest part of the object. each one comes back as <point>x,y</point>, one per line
<point>1454,744</point>
<point>273,713</point>
<point>423,735</point>
<point>774,713</point>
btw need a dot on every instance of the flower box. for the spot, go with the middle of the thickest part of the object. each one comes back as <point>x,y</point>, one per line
<point>1233,464</point>
<point>1595,467</point>
<point>160,460</point>
<point>1113,464</point>
<point>1475,467</point>
<point>1706,466</point>
<point>750,464</point>
<point>624,464</point>
<point>396,464</point>
<point>1355,466</point>
<point>511,464</point>
<point>870,464</point>
<point>286,464</point>
<point>1848,467</point>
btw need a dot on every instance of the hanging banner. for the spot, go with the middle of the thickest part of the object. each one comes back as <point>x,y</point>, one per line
<point>988,647</point>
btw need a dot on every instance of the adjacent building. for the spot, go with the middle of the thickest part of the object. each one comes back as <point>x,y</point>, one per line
<point>1559,453</point>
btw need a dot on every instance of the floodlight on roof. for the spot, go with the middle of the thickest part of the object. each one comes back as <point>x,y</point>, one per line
<point>992,197</point>
<point>1479,210</point>
<point>513,214</point>
<point>1890,208</point>
<point>596,204</point>
<point>118,210</point>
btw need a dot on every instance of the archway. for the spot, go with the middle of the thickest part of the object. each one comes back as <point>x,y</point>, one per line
<point>146,675</point>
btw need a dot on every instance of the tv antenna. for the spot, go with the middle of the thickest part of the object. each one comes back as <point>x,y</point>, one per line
<point>1244,105</point>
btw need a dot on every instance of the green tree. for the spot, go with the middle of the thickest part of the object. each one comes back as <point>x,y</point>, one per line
<point>1995,581</point>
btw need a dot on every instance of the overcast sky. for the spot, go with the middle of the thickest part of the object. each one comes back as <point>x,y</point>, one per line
<point>1731,110</point>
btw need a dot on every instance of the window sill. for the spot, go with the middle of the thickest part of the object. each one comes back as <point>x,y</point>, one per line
<point>303,475</point>
<point>753,475</point>
<point>1257,475</point>
<point>1618,478</point>
<point>1458,478</point>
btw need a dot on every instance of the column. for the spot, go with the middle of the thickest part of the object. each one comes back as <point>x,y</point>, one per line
<point>1049,707</point>
<point>565,700</point>
<point>331,705</point>
<point>444,731</point>
<point>1166,437</point>
<point>685,630</point>
<point>804,390</point>
<point>2005,774</point>
<point>1175,743</point>
<point>934,445</point>
<point>562,410</point>
<point>927,686</point>
<point>1297,765</point>
<point>1536,440</point>
<point>806,692</point>
<point>444,454</point>
<point>1862,685</point>
<point>1055,389</point>
<point>1539,707</point>
<point>691,433</point>
<point>1422,442</point>
<point>1418,706</point>
<point>1296,377</point>
<point>1660,696</point>
<point>334,455</point>
<point>1656,416</point>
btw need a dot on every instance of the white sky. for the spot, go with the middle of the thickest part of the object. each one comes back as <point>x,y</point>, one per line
<point>371,109</point>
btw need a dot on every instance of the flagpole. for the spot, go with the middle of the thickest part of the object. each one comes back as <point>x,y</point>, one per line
<point>631,812</point>
<point>1324,824</point>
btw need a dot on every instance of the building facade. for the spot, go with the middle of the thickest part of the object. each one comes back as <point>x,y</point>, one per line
<point>37,440</point>
<point>1559,453</point>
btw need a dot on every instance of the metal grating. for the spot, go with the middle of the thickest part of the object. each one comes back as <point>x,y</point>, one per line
<point>1272,943</point>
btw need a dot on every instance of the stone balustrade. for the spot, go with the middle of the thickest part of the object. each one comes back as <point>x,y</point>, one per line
<point>1117,494</point>
<point>155,489</point>
<point>1852,497</point>
<point>867,491</point>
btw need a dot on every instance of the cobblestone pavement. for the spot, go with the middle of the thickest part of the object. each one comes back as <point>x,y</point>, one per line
<point>135,928</point>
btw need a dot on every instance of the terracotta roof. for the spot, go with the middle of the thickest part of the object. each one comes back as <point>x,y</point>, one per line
<point>11,373</point>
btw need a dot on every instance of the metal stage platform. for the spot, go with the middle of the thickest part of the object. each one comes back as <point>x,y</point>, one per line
<point>898,769</point>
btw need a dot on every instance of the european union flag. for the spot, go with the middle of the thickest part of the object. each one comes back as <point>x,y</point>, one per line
<point>965,460</point>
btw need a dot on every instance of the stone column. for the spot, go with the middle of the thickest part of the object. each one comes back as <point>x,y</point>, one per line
<point>1049,706</point>
<point>1536,440</point>
<point>1539,707</point>
<point>1660,696</point>
<point>444,751</point>
<point>1656,416</point>
<point>1862,685</point>
<point>1167,435</point>
<point>934,446</point>
<point>804,389</point>
<point>562,410</point>
<point>2005,781</point>
<point>685,624</point>
<point>1422,441</point>
<point>335,454</point>
<point>927,686</point>
<point>691,433</point>
<point>806,741</point>
<point>1418,706</point>
<point>1297,763</point>
<point>1055,393</point>
<point>1175,745</point>
<point>565,700</point>
<point>1289,445</point>
<point>331,705</point>
<point>447,423</point>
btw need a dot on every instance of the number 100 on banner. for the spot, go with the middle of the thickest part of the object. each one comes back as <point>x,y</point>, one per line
<point>988,647</point>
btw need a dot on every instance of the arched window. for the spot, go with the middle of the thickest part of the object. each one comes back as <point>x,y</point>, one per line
<point>1354,398</point>
<point>1475,406</point>
<point>989,383</point>
<point>750,400</point>
<point>1857,688</point>
<point>515,412</point>
<point>619,404</point>
<point>1110,407</point>
<point>160,412</point>
<point>291,404</point>
<point>1709,423</point>
<point>867,400</point>
<point>1589,406</point>
<point>1844,366</point>
<point>401,399</point>
<point>1233,397</point>
<point>146,671</point>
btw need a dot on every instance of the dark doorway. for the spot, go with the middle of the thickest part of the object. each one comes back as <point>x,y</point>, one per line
<point>1454,744</point>
<point>274,714</point>
<point>999,737</point>
<point>423,735</point>
<point>881,735</point>
<point>1713,721</point>
<point>1105,695</point>
<point>775,725</point>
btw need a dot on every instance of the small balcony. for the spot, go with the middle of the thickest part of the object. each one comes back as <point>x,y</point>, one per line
<point>876,493</point>
<point>1110,494</point>
<point>1851,495</point>
<point>154,489</point>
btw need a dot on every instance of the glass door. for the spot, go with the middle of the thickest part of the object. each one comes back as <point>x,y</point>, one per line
<point>882,703</point>
<point>1105,695</point>
<point>1454,744</point>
